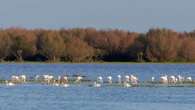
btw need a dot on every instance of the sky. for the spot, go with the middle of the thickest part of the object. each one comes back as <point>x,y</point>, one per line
<point>132,15</point>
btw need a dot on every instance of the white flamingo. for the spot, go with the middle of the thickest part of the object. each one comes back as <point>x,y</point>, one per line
<point>78,79</point>
<point>172,79</point>
<point>133,79</point>
<point>189,79</point>
<point>56,84</point>
<point>15,79</point>
<point>22,78</point>
<point>66,79</point>
<point>37,77</point>
<point>153,78</point>
<point>48,78</point>
<point>126,84</point>
<point>65,85</point>
<point>109,79</point>
<point>96,84</point>
<point>119,79</point>
<point>9,83</point>
<point>164,79</point>
<point>180,78</point>
<point>59,78</point>
<point>100,79</point>
<point>62,81</point>
<point>127,79</point>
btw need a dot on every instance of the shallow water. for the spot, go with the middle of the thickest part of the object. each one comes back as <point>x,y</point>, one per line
<point>83,97</point>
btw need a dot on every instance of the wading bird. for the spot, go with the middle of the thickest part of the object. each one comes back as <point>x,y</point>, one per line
<point>164,79</point>
<point>109,79</point>
<point>119,79</point>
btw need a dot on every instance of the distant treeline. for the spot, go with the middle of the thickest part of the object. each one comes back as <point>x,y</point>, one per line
<point>90,45</point>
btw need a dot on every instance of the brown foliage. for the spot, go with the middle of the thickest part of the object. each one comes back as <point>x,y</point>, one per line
<point>162,45</point>
<point>23,43</point>
<point>51,45</point>
<point>78,51</point>
<point>187,50</point>
<point>5,45</point>
<point>80,45</point>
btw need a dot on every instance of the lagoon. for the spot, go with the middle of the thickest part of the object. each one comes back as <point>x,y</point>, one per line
<point>81,97</point>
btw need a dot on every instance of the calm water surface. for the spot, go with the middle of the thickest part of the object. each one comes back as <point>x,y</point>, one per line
<point>82,97</point>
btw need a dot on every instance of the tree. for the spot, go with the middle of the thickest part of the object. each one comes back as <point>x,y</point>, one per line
<point>136,51</point>
<point>5,45</point>
<point>78,51</point>
<point>23,43</point>
<point>50,45</point>
<point>80,44</point>
<point>187,49</point>
<point>162,45</point>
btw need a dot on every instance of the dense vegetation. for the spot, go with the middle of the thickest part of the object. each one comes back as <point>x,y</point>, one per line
<point>88,45</point>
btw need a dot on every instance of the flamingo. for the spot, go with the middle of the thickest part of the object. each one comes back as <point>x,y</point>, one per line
<point>133,79</point>
<point>126,82</point>
<point>164,79</point>
<point>172,79</point>
<point>56,84</point>
<point>9,83</point>
<point>100,79</point>
<point>65,78</point>
<point>127,85</point>
<point>37,77</point>
<point>15,78</point>
<point>127,78</point>
<point>48,78</point>
<point>180,79</point>
<point>65,85</point>
<point>153,78</point>
<point>109,79</point>
<point>119,79</point>
<point>22,78</point>
<point>59,78</point>
<point>96,84</point>
<point>189,79</point>
<point>78,79</point>
<point>62,81</point>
